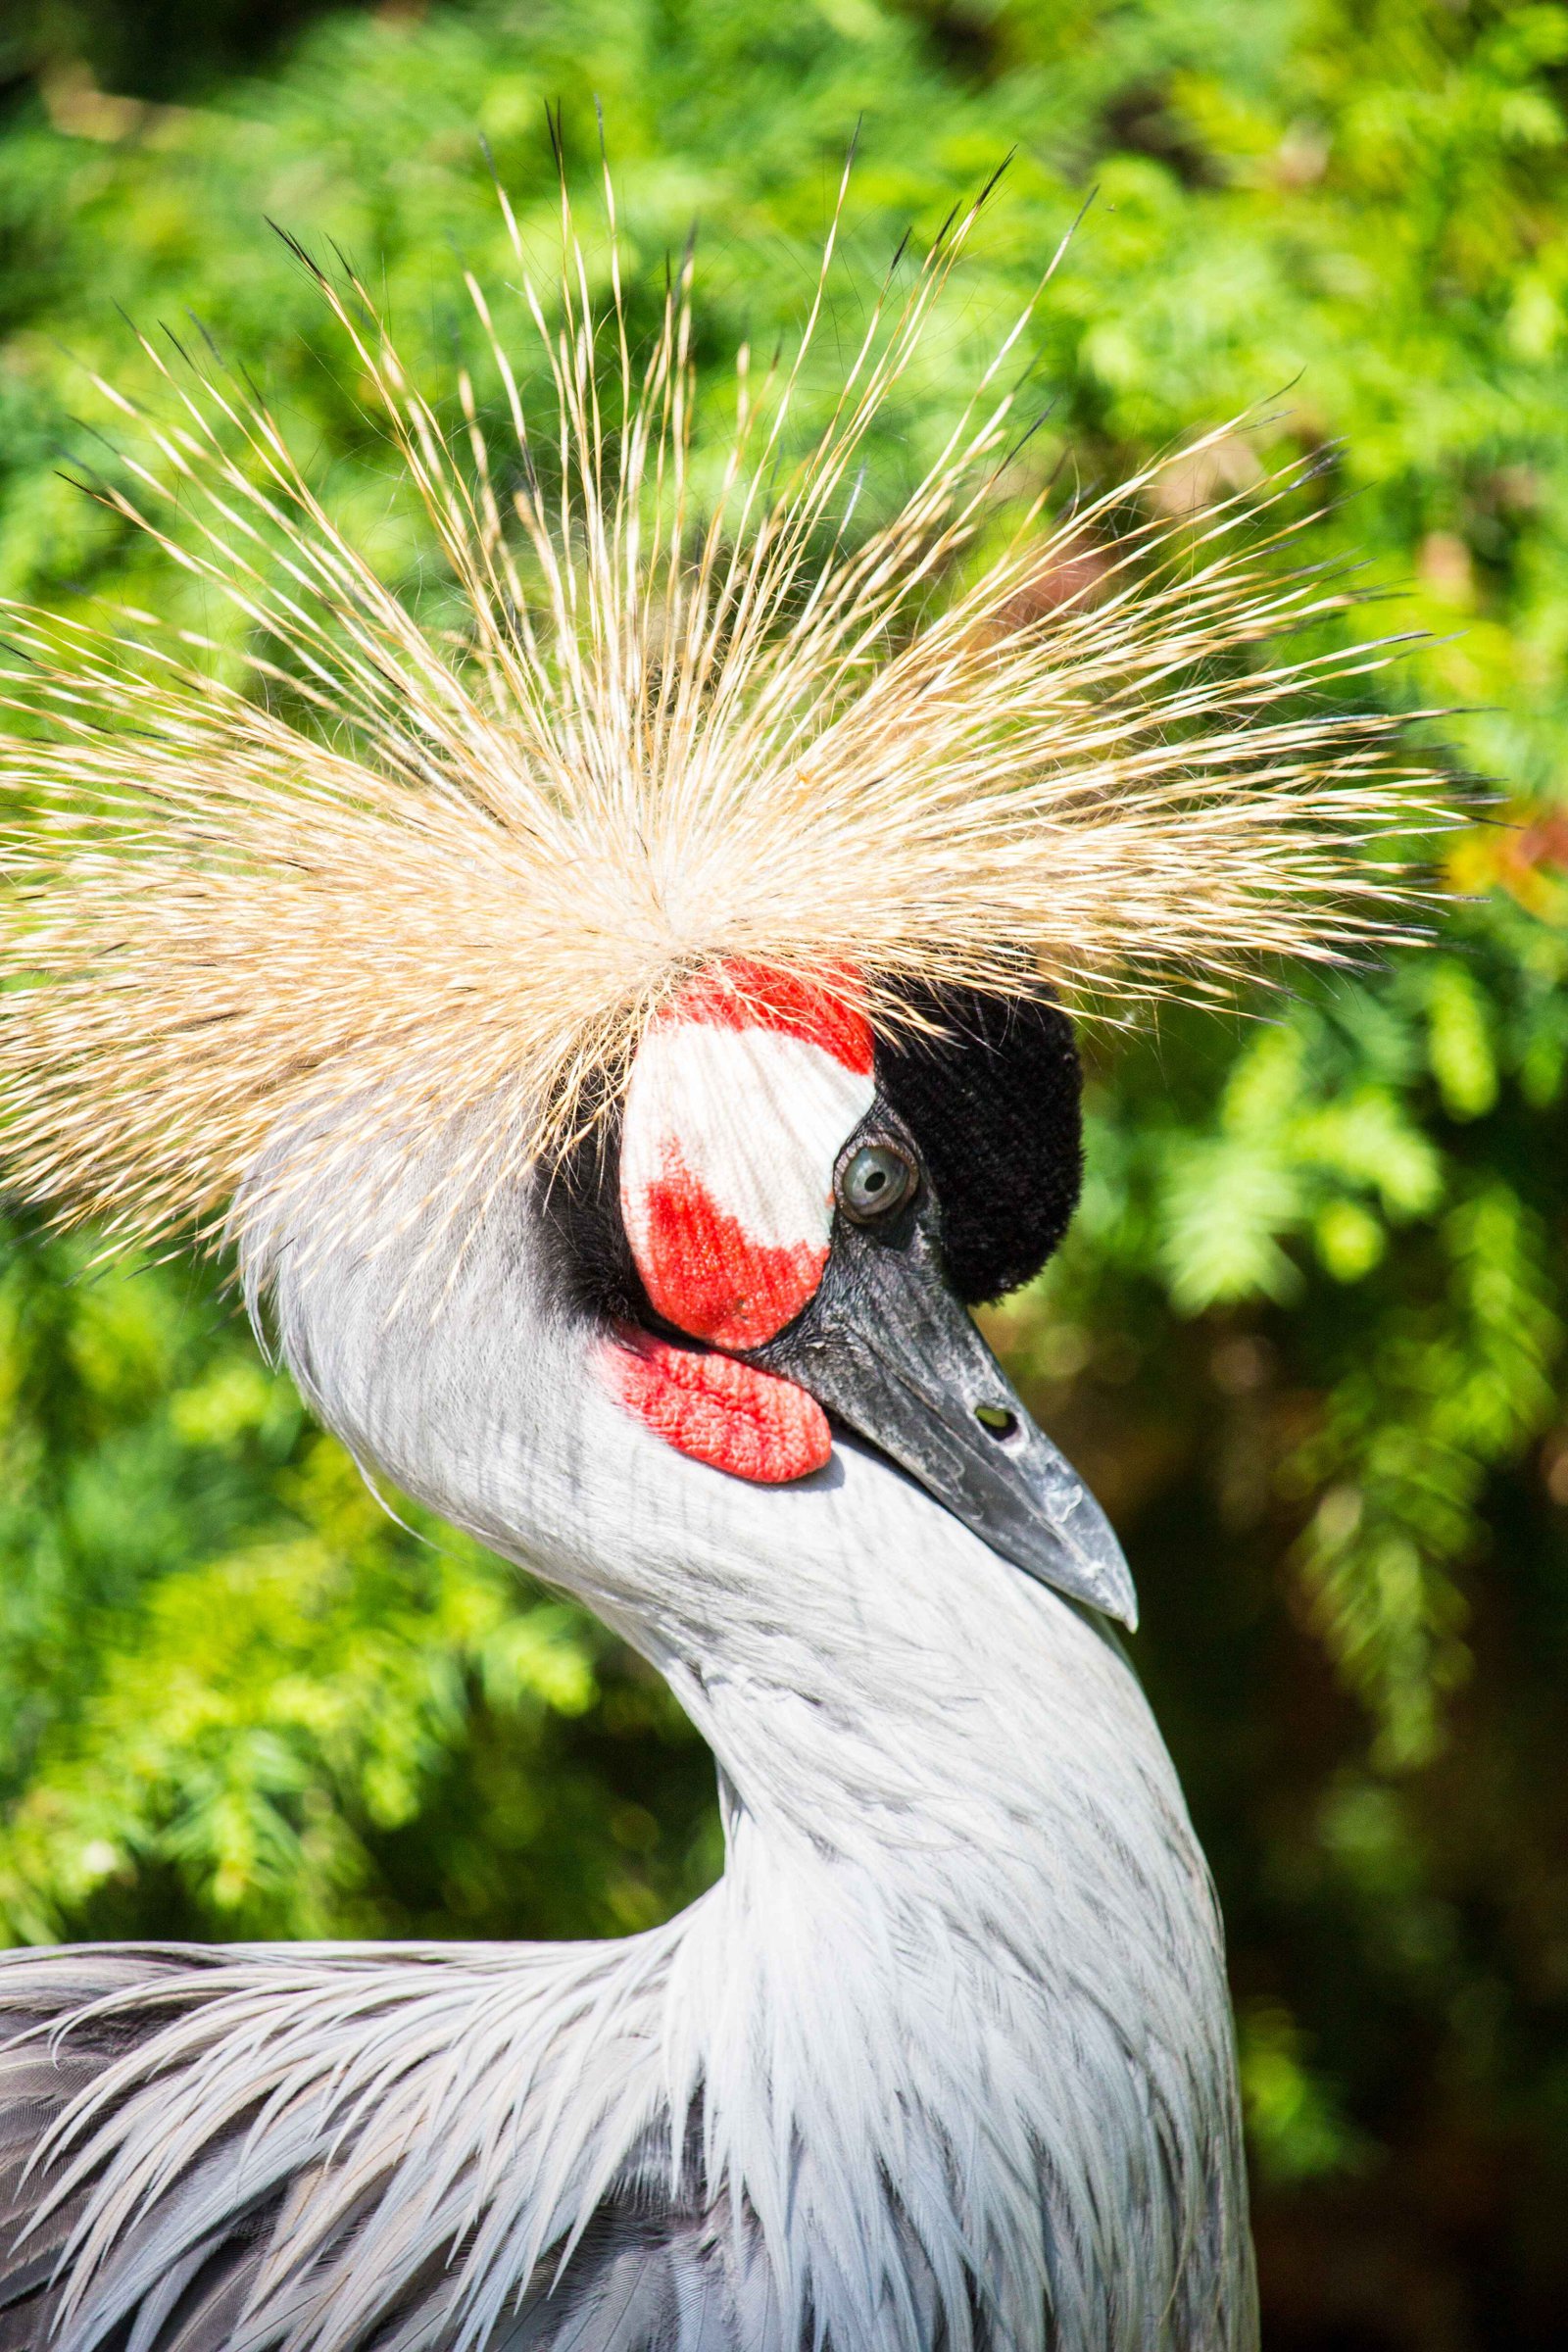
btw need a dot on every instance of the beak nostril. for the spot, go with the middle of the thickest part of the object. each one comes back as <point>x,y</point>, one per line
<point>996,1420</point>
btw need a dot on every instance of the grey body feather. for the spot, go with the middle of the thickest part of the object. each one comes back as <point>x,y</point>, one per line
<point>943,2064</point>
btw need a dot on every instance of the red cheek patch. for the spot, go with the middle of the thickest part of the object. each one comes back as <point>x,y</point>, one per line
<point>737,994</point>
<point>718,1412</point>
<point>741,1096</point>
<point>705,1273</point>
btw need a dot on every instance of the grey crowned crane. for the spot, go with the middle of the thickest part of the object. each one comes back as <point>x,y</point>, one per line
<point>616,1017</point>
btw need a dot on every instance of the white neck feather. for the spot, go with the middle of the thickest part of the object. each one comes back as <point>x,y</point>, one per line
<point>955,2012</point>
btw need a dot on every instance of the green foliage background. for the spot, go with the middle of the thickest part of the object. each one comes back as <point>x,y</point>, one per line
<point>1307,1337</point>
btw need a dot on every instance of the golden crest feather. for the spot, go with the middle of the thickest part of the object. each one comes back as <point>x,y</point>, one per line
<point>452,886</point>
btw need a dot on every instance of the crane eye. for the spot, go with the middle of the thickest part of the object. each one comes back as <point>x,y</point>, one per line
<point>874,1181</point>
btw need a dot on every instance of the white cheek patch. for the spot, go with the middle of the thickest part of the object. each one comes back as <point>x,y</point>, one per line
<point>726,1181</point>
<point>757,1119</point>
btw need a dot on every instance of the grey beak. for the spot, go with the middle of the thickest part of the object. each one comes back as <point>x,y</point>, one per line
<point>888,1346</point>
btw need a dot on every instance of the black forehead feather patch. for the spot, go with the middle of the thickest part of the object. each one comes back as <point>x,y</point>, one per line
<point>995,1105</point>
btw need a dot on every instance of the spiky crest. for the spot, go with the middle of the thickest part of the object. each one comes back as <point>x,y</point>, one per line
<point>471,871</point>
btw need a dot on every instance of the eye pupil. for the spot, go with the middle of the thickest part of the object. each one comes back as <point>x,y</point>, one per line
<point>875,1180</point>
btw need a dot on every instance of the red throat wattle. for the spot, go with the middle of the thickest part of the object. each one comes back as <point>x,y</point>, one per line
<point>718,1412</point>
<point>744,1091</point>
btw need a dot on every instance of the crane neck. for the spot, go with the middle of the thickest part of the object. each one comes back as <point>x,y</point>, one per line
<point>965,1940</point>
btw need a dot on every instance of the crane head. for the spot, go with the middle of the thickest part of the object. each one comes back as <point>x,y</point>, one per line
<point>423,909</point>
<point>798,1216</point>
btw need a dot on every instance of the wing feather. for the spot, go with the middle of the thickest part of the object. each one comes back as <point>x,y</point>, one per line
<point>249,2243</point>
